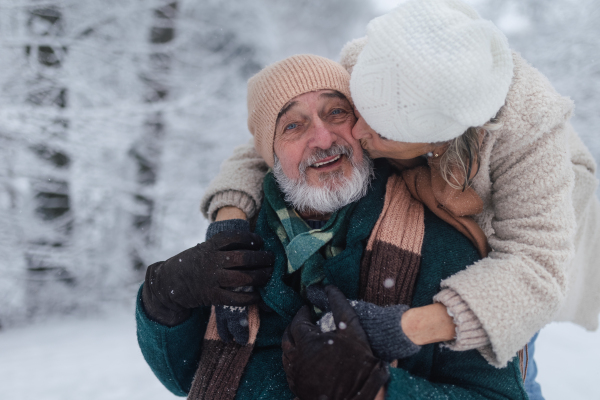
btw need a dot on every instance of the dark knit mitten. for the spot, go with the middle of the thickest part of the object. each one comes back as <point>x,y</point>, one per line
<point>227,225</point>
<point>232,322</point>
<point>383,328</point>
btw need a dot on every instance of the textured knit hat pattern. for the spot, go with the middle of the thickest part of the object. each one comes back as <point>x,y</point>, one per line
<point>350,52</point>
<point>274,86</point>
<point>428,71</point>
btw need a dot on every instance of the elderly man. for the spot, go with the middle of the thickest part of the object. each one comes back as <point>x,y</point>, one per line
<point>333,227</point>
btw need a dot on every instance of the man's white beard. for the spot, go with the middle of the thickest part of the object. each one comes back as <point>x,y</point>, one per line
<point>337,190</point>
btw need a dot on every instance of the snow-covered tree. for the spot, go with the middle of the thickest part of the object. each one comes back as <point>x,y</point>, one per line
<point>114,116</point>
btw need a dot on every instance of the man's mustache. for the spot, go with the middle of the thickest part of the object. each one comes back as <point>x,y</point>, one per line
<point>319,154</point>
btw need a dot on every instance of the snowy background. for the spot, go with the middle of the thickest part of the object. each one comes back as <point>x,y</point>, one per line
<point>114,116</point>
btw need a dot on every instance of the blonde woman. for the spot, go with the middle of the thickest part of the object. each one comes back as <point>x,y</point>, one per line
<point>435,84</point>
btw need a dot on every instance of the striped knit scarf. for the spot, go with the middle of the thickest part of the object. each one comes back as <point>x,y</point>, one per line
<point>392,258</point>
<point>388,273</point>
<point>305,248</point>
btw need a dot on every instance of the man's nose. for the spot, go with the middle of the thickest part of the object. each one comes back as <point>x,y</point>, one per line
<point>321,136</point>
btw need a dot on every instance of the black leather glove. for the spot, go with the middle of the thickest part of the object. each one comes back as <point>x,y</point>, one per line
<point>337,365</point>
<point>381,324</point>
<point>204,274</point>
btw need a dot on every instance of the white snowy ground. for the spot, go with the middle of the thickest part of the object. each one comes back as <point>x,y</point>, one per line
<point>98,358</point>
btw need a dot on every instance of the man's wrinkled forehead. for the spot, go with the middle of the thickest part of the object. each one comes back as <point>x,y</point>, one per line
<point>325,94</point>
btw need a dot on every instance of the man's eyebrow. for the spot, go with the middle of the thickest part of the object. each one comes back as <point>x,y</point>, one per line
<point>333,95</point>
<point>284,110</point>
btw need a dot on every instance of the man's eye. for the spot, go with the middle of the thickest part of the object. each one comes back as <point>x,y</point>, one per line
<point>291,126</point>
<point>337,111</point>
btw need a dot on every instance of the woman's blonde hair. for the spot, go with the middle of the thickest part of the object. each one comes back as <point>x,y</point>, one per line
<point>462,155</point>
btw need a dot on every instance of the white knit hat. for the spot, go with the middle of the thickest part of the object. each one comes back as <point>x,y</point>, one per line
<point>429,70</point>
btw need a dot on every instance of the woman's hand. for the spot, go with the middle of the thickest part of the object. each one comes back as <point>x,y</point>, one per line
<point>228,212</point>
<point>428,324</point>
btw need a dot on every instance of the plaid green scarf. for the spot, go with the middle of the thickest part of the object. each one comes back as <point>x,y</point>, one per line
<point>306,248</point>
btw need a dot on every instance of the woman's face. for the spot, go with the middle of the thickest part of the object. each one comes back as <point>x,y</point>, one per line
<point>378,146</point>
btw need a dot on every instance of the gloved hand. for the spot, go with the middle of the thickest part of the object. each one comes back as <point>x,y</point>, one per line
<point>337,365</point>
<point>381,324</point>
<point>204,274</point>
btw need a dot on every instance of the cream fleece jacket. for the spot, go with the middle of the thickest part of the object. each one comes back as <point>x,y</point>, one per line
<point>535,173</point>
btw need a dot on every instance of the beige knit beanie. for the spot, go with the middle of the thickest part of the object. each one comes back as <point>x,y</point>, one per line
<point>270,89</point>
<point>428,70</point>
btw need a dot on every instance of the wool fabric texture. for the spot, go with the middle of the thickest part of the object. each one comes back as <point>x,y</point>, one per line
<point>469,334</point>
<point>383,328</point>
<point>244,166</point>
<point>350,52</point>
<point>222,363</point>
<point>454,206</point>
<point>225,226</point>
<point>430,69</point>
<point>271,88</point>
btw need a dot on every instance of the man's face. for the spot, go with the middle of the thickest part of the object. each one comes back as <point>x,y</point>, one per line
<point>319,166</point>
<point>309,127</point>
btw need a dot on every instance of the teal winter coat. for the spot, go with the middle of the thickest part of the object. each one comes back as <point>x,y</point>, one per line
<point>173,353</point>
